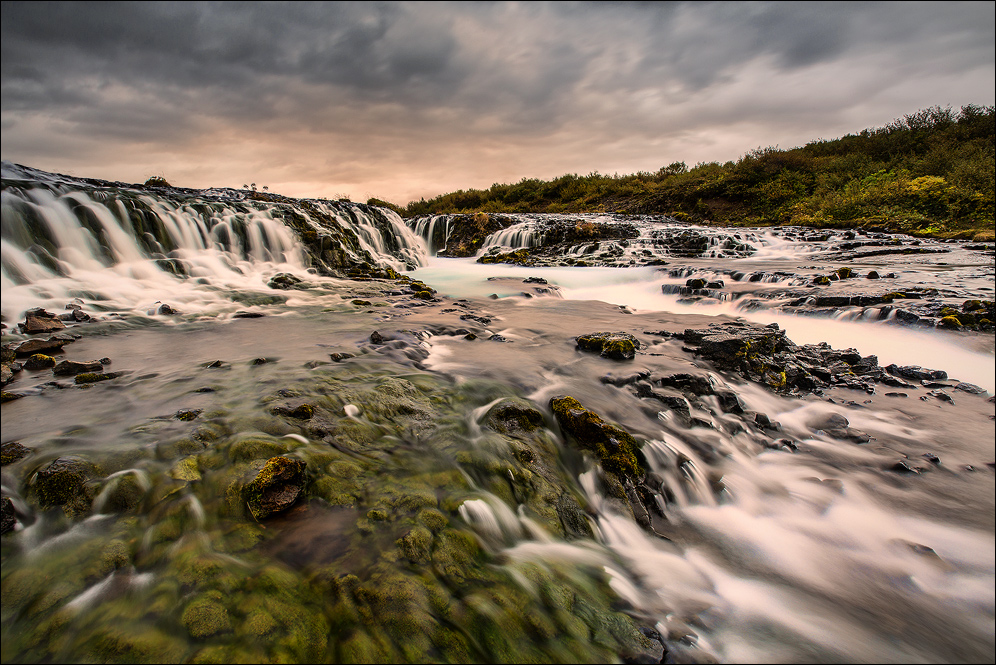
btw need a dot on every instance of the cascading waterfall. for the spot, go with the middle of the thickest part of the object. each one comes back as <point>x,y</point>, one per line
<point>126,249</point>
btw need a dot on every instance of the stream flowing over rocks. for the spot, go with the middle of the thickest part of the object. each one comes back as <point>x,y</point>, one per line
<point>240,427</point>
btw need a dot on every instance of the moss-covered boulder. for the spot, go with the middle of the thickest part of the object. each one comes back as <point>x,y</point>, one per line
<point>514,417</point>
<point>276,487</point>
<point>62,480</point>
<point>614,345</point>
<point>614,447</point>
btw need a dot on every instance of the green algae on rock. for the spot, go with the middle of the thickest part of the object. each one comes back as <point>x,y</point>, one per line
<point>614,447</point>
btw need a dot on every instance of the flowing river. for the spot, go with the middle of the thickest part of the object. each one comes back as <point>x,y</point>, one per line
<point>429,528</point>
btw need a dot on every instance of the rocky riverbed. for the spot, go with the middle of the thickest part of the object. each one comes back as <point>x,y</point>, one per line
<point>365,463</point>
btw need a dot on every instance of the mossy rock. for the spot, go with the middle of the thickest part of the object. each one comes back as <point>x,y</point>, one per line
<point>821,280</point>
<point>845,273</point>
<point>276,487</point>
<point>615,448</point>
<point>123,493</point>
<point>249,447</point>
<point>949,322</point>
<point>514,417</point>
<point>134,644</point>
<point>62,480</point>
<point>13,451</point>
<point>617,346</point>
<point>39,361</point>
<point>206,616</point>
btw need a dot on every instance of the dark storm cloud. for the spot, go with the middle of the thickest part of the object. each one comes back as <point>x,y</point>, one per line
<point>409,90</point>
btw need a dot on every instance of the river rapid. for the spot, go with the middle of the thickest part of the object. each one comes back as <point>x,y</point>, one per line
<point>429,530</point>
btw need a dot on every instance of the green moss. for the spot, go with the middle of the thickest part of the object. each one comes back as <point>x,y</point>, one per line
<point>92,377</point>
<point>135,645</point>
<point>253,448</point>
<point>615,448</point>
<point>61,481</point>
<point>416,545</point>
<point>185,470</point>
<point>206,616</point>
<point>278,472</point>
<point>821,280</point>
<point>432,519</point>
<point>950,322</point>
<point>845,273</point>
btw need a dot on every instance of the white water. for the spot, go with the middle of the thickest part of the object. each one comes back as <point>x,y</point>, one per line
<point>53,255</point>
<point>640,290</point>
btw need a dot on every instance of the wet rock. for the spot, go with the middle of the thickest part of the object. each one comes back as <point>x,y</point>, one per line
<point>242,314</point>
<point>615,448</point>
<point>904,466</point>
<point>299,411</point>
<point>286,281</point>
<point>513,416</point>
<point>915,372</point>
<point>617,346</point>
<point>376,337</point>
<point>8,520</point>
<point>75,315</point>
<point>782,444</point>
<point>829,421</point>
<point>187,415</point>
<point>729,401</point>
<point>6,374</point>
<point>39,361</point>
<point>95,377</point>
<point>625,379</point>
<point>47,345</point>
<point>12,451</point>
<point>693,383</point>
<point>62,480</point>
<point>970,388</point>
<point>38,321</point>
<point>276,487</point>
<point>339,357</point>
<point>74,367</point>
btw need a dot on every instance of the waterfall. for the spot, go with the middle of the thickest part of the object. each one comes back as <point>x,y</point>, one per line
<point>64,238</point>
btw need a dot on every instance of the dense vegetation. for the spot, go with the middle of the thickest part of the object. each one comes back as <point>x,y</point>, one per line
<point>928,173</point>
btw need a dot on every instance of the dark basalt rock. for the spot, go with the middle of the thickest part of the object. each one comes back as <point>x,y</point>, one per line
<point>916,372</point>
<point>74,367</point>
<point>617,346</point>
<point>286,281</point>
<point>8,521</point>
<point>12,451</point>
<point>275,488</point>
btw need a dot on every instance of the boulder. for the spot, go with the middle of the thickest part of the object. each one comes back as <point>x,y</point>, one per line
<point>276,487</point>
<point>61,480</point>
<point>74,367</point>
<point>39,320</point>
<point>617,346</point>
<point>615,448</point>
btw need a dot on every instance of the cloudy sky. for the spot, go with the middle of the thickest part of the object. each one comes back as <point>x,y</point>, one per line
<point>409,100</point>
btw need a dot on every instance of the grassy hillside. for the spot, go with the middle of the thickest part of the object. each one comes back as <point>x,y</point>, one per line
<point>928,173</point>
